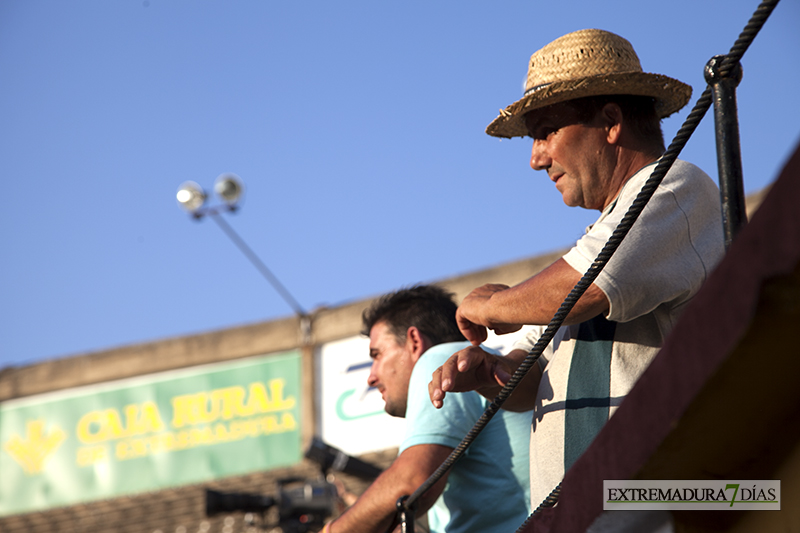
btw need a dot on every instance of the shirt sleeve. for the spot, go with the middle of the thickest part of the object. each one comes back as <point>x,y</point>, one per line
<point>658,260</point>
<point>532,337</point>
<point>427,425</point>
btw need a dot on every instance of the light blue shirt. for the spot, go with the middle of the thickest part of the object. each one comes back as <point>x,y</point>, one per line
<point>488,488</point>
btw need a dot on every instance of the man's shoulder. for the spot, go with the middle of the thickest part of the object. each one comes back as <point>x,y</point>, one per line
<point>441,352</point>
<point>684,180</point>
<point>433,358</point>
<point>681,168</point>
<point>692,188</point>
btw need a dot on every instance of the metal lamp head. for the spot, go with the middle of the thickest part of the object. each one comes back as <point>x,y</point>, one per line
<point>229,187</point>
<point>191,196</point>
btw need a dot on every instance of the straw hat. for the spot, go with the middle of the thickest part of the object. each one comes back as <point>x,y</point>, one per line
<point>587,63</point>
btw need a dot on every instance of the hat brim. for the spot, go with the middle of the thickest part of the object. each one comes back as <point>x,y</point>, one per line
<point>669,93</point>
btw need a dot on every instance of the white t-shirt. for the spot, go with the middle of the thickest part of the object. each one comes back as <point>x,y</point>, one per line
<point>659,266</point>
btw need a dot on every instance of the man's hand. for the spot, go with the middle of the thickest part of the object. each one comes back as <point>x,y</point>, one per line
<point>475,369</point>
<point>473,318</point>
<point>534,301</point>
<point>470,369</point>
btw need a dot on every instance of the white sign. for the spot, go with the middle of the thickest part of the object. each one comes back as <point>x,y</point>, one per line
<point>351,415</point>
<point>352,418</point>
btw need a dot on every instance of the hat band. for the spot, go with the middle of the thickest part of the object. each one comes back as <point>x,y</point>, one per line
<point>534,89</point>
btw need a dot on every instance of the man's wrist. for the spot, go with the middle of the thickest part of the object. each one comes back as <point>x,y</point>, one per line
<point>515,357</point>
<point>489,392</point>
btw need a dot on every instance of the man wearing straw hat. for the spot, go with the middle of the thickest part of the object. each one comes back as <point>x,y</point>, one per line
<point>594,117</point>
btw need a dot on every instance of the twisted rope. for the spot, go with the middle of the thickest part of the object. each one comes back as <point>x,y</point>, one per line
<point>738,49</point>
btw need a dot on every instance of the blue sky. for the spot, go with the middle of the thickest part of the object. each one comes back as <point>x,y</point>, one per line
<point>357,128</point>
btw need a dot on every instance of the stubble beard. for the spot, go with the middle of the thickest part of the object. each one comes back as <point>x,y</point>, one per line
<point>393,409</point>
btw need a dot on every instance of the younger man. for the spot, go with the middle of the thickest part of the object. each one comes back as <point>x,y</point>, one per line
<point>412,332</point>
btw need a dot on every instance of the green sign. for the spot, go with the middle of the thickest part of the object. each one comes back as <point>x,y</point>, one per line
<point>150,432</point>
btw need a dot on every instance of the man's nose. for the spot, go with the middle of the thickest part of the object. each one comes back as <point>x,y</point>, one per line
<point>540,159</point>
<point>372,380</point>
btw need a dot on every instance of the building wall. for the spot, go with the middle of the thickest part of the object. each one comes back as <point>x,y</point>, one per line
<point>181,509</point>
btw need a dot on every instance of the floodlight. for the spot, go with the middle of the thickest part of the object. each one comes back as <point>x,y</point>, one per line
<point>191,196</point>
<point>228,187</point>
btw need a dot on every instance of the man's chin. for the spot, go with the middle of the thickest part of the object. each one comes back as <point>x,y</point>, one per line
<point>394,411</point>
<point>569,201</point>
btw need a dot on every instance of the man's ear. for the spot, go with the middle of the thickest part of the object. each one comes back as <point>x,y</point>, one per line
<point>416,343</point>
<point>612,118</point>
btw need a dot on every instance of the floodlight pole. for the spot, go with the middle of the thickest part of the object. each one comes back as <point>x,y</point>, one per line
<point>258,263</point>
<point>192,198</point>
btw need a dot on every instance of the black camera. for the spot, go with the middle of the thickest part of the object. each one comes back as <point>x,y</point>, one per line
<point>302,505</point>
<point>229,502</point>
<point>330,458</point>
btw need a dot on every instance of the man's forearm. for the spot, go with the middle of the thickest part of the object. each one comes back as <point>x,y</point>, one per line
<point>375,510</point>
<point>370,513</point>
<point>534,301</point>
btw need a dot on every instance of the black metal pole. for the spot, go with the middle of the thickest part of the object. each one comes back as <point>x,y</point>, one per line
<point>729,154</point>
